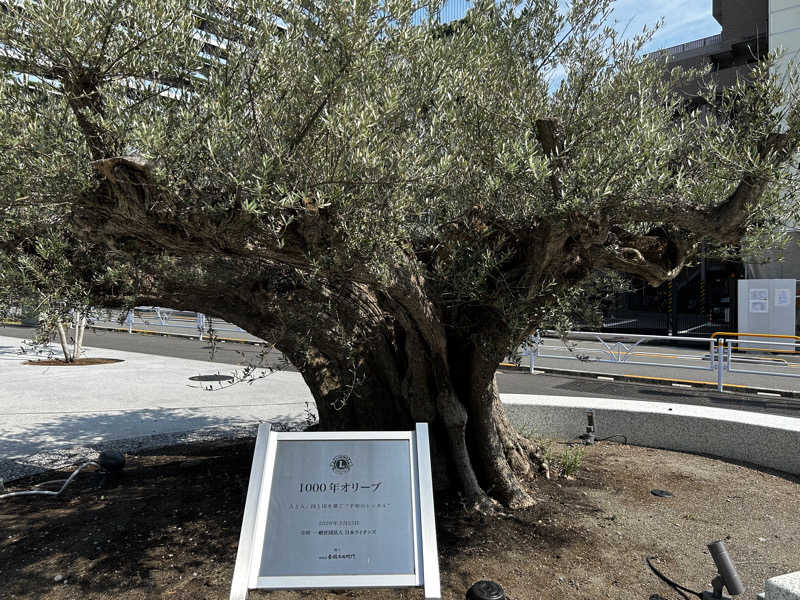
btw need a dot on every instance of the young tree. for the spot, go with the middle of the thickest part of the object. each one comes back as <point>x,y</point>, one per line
<point>40,279</point>
<point>394,203</point>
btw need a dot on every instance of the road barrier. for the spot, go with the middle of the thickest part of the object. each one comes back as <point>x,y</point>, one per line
<point>721,354</point>
<point>727,338</point>
<point>145,319</point>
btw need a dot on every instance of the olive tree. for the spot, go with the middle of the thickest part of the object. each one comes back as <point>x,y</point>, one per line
<point>38,281</point>
<point>395,203</point>
<point>48,276</point>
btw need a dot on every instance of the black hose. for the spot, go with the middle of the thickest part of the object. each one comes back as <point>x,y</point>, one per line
<point>677,587</point>
<point>611,437</point>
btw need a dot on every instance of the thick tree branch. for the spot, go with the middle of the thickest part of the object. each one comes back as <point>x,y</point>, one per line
<point>656,257</point>
<point>551,137</point>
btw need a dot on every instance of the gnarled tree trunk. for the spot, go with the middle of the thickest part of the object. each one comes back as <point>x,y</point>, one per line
<point>398,383</point>
<point>386,368</point>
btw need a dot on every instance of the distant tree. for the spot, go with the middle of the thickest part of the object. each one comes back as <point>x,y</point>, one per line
<point>395,204</point>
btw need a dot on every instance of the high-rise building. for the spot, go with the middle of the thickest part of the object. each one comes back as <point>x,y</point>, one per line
<point>454,9</point>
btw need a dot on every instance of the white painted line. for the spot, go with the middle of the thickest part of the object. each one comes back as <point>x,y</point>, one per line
<point>770,394</point>
<point>681,385</point>
<point>605,378</point>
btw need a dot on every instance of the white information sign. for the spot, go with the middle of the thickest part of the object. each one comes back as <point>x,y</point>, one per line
<point>338,509</point>
<point>759,300</point>
<point>784,297</point>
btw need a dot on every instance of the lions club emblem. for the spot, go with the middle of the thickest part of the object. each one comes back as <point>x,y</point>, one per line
<point>341,464</point>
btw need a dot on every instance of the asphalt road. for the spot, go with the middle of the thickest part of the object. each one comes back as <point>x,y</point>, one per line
<point>681,361</point>
<point>232,355</point>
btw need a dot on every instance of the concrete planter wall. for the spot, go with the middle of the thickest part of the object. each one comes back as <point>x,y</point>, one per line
<point>764,440</point>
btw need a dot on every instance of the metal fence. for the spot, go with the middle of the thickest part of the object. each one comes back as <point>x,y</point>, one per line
<point>723,353</point>
<point>165,320</point>
<point>676,324</point>
<point>688,46</point>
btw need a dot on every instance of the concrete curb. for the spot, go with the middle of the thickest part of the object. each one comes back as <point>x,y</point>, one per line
<point>783,587</point>
<point>764,440</point>
<point>61,458</point>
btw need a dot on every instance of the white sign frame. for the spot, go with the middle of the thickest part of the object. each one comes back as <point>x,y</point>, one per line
<point>254,521</point>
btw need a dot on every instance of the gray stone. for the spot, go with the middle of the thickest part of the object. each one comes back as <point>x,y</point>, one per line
<point>783,587</point>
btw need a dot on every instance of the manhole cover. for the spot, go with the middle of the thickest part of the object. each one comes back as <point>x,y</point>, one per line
<point>211,378</point>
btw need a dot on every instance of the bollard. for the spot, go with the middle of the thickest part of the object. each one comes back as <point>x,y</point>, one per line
<point>486,590</point>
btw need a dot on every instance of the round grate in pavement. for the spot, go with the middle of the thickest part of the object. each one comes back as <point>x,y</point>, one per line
<point>216,377</point>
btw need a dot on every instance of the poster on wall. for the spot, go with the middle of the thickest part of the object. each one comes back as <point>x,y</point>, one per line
<point>759,300</point>
<point>783,297</point>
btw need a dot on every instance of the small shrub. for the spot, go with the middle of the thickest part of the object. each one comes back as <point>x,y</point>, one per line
<point>570,461</point>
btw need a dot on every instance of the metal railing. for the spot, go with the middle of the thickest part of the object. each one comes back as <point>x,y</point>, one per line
<point>157,318</point>
<point>781,348</point>
<point>688,46</point>
<point>720,353</point>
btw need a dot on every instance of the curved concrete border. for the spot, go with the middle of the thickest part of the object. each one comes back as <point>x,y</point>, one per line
<point>766,440</point>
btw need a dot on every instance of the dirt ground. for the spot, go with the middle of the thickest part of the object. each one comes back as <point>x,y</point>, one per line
<point>170,526</point>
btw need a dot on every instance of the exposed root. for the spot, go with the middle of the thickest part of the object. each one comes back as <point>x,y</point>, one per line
<point>482,504</point>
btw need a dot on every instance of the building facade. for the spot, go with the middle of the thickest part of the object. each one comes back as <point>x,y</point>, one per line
<point>784,33</point>
<point>703,298</point>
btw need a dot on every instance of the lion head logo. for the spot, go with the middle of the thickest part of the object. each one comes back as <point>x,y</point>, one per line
<point>341,464</point>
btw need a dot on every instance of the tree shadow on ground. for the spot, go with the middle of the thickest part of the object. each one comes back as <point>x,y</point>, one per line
<point>114,539</point>
<point>42,444</point>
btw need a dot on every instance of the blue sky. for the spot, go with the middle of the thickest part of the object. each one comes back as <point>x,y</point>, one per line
<point>684,20</point>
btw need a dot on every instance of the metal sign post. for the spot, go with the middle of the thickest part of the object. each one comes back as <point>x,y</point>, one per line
<point>338,510</point>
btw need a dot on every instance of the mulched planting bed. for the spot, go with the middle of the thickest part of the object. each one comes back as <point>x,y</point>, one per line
<point>55,362</point>
<point>169,527</point>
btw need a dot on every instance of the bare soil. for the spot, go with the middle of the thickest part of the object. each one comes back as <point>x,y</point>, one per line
<point>169,527</point>
<point>57,362</point>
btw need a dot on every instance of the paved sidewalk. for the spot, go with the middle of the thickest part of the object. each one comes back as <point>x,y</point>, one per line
<point>52,416</point>
<point>45,408</point>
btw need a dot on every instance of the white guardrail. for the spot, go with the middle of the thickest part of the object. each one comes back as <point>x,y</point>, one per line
<point>156,318</point>
<point>722,353</point>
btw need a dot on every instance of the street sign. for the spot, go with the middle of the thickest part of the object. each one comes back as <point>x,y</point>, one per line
<point>338,510</point>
